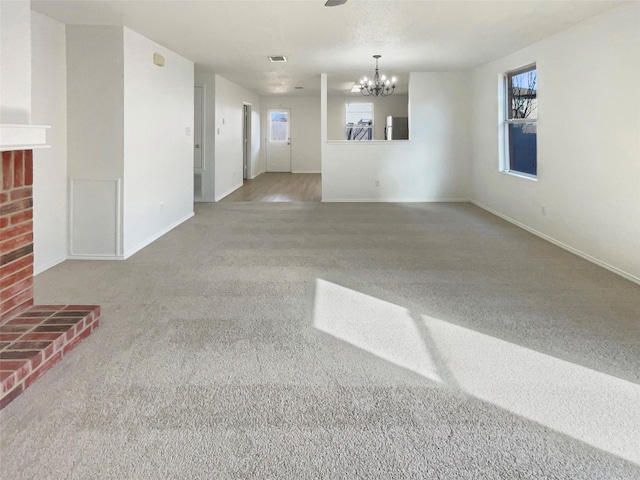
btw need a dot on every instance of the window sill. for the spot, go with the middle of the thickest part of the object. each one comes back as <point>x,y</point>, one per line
<point>526,176</point>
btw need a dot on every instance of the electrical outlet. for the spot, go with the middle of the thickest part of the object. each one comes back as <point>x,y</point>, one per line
<point>543,209</point>
<point>377,183</point>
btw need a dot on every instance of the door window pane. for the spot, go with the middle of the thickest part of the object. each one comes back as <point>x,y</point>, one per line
<point>279,131</point>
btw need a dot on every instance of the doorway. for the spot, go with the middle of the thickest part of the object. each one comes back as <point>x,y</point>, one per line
<point>198,139</point>
<point>246,142</point>
<point>279,140</point>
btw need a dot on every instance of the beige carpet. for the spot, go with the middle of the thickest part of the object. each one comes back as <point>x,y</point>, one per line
<point>338,341</point>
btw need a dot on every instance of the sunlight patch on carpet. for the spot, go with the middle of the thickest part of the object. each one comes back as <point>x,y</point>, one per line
<point>596,408</point>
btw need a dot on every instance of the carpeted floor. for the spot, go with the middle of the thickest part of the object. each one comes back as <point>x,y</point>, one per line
<point>338,341</point>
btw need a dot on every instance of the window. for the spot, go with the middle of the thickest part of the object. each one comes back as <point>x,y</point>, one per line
<point>520,116</point>
<point>359,121</point>
<point>279,126</point>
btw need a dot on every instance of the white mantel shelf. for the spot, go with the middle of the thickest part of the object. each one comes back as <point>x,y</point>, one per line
<point>22,137</point>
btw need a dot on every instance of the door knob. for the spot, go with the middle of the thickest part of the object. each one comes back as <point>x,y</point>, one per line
<point>197,145</point>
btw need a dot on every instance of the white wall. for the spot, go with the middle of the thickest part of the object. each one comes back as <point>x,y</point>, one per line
<point>588,140</point>
<point>229,112</point>
<point>158,153</point>
<point>49,107</point>
<point>208,82</point>
<point>305,130</point>
<point>15,62</point>
<point>95,122</point>
<point>395,105</point>
<point>130,158</point>
<point>432,166</point>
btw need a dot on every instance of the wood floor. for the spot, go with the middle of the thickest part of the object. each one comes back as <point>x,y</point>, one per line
<point>279,187</point>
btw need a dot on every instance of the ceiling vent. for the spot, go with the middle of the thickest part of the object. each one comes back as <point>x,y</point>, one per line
<point>299,88</point>
<point>277,58</point>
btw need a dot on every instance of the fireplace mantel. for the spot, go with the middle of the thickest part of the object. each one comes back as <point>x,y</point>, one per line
<point>22,137</point>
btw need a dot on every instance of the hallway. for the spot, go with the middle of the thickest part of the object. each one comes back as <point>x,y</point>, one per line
<point>279,187</point>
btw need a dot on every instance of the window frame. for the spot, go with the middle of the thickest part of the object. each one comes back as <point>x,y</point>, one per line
<point>505,108</point>
<point>370,128</point>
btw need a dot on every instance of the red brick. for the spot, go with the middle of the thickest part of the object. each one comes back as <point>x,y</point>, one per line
<point>7,171</point>
<point>24,192</point>
<point>24,321</point>
<point>41,336</point>
<point>48,308</point>
<point>13,364</point>
<point>72,344</point>
<point>8,382</point>
<point>5,374</point>
<point>16,305</point>
<point>16,288</point>
<point>18,230</point>
<point>28,167</point>
<point>42,369</point>
<point>44,355</point>
<point>14,278</point>
<point>16,206</point>
<point>11,396</point>
<point>16,242</point>
<point>18,168</point>
<point>9,337</point>
<point>13,267</point>
<point>4,197</point>
<point>21,217</point>
<point>4,222</point>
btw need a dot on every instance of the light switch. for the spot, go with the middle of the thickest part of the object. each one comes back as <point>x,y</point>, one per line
<point>187,131</point>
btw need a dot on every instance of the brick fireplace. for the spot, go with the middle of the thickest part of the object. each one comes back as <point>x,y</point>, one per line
<point>32,337</point>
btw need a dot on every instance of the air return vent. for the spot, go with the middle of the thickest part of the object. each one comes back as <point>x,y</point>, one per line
<point>277,58</point>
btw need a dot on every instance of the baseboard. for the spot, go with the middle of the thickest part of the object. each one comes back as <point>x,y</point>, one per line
<point>153,238</point>
<point>95,257</point>
<point>48,265</point>
<point>305,171</point>
<point>560,244</point>
<point>394,200</point>
<point>228,192</point>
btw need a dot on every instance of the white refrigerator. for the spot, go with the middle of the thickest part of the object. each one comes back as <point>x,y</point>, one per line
<point>397,128</point>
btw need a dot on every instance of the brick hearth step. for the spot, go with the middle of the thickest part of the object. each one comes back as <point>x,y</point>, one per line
<point>33,341</point>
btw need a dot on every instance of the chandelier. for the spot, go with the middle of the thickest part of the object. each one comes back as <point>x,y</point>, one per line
<point>380,86</point>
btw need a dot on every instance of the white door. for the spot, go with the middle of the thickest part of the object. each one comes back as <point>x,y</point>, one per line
<point>279,140</point>
<point>198,108</point>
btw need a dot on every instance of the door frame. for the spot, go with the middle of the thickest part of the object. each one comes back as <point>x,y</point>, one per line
<point>247,110</point>
<point>203,111</point>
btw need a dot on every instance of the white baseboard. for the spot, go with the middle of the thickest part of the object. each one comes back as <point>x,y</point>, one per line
<point>393,200</point>
<point>560,244</point>
<point>228,192</point>
<point>153,238</point>
<point>95,257</point>
<point>48,265</point>
<point>305,171</point>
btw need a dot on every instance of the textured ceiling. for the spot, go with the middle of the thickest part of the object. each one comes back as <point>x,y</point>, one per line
<point>234,38</point>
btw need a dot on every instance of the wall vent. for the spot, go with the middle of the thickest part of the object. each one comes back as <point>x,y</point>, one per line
<point>277,58</point>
